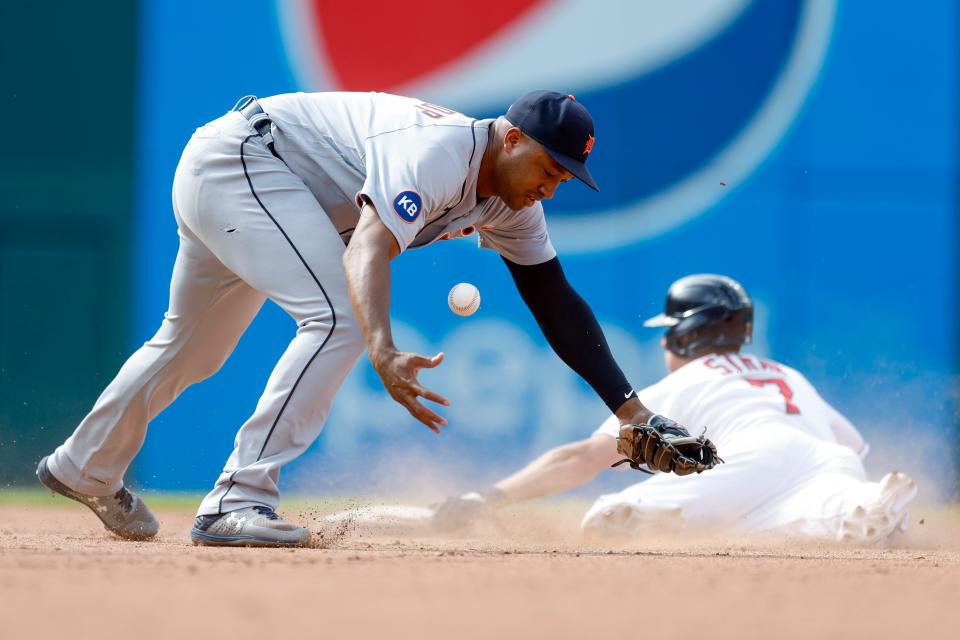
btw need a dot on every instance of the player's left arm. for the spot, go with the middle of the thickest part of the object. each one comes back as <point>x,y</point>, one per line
<point>366,263</point>
<point>569,325</point>
<point>559,469</point>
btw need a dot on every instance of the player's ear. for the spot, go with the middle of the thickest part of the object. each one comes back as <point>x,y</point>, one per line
<point>512,139</point>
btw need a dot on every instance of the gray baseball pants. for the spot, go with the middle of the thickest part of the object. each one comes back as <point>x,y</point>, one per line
<point>249,230</point>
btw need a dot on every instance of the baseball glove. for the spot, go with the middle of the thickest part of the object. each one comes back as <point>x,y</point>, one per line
<point>663,445</point>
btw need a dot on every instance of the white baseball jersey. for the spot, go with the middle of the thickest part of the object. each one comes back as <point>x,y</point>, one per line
<point>791,465</point>
<point>729,393</point>
<point>416,162</point>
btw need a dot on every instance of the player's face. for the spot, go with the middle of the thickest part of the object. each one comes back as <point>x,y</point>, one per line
<point>526,172</point>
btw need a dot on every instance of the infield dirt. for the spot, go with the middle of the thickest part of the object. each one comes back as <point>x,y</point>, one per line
<point>63,576</point>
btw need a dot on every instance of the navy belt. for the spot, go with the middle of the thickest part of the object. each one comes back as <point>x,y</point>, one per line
<point>250,109</point>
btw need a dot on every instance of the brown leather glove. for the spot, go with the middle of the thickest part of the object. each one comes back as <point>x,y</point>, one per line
<point>663,445</point>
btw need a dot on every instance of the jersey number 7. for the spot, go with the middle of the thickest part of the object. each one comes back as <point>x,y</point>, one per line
<point>784,388</point>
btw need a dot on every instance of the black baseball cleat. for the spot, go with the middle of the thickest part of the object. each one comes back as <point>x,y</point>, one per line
<point>123,513</point>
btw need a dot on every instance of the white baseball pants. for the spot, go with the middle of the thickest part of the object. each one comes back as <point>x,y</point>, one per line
<point>249,230</point>
<point>774,479</point>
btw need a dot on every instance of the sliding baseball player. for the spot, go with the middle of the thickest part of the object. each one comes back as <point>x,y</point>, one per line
<point>793,464</point>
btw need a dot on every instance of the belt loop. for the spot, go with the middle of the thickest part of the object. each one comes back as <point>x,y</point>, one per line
<point>243,102</point>
<point>251,110</point>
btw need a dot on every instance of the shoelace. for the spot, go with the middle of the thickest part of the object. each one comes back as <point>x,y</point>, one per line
<point>267,512</point>
<point>203,522</point>
<point>125,498</point>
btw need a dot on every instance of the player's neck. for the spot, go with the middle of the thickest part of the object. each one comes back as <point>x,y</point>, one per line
<point>485,173</point>
<point>675,362</point>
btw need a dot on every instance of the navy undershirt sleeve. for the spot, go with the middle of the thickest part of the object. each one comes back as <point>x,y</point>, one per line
<point>570,327</point>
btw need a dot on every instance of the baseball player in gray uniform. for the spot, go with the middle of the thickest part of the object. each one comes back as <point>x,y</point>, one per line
<point>304,199</point>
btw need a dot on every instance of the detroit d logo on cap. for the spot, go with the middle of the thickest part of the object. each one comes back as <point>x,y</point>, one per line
<point>407,204</point>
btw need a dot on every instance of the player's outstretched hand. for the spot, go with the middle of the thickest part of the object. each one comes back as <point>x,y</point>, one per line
<point>457,512</point>
<point>398,371</point>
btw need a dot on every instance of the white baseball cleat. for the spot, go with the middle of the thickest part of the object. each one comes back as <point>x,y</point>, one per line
<point>874,521</point>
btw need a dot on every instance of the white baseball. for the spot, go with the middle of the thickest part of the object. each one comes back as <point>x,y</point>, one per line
<point>464,299</point>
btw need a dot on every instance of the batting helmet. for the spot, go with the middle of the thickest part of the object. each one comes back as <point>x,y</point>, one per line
<point>705,311</point>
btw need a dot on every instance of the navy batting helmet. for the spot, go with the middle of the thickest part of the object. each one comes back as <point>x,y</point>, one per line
<point>703,312</point>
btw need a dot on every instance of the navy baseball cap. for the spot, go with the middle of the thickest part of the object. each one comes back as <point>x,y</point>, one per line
<point>561,124</point>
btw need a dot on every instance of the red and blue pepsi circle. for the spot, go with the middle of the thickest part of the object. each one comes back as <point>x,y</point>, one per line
<point>728,80</point>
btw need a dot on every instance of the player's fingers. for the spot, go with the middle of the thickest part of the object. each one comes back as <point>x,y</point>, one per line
<point>421,412</point>
<point>422,362</point>
<point>430,424</point>
<point>413,388</point>
<point>428,417</point>
<point>433,396</point>
<point>417,362</point>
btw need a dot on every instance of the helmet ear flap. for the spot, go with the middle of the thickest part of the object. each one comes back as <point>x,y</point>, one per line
<point>692,333</point>
<point>678,344</point>
<point>744,317</point>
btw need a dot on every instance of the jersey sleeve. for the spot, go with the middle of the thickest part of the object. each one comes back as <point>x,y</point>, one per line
<point>409,175</point>
<point>519,236</point>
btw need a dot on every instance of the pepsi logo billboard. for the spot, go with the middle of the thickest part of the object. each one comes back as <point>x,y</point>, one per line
<point>687,103</point>
<point>690,106</point>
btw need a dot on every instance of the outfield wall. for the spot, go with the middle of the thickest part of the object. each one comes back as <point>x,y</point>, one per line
<point>806,148</point>
<point>68,78</point>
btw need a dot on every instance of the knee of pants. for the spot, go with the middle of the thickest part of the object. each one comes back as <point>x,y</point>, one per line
<point>346,332</point>
<point>195,360</point>
<point>206,365</point>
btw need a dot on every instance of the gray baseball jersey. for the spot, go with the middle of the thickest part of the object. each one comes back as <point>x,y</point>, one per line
<point>254,226</point>
<point>416,162</point>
